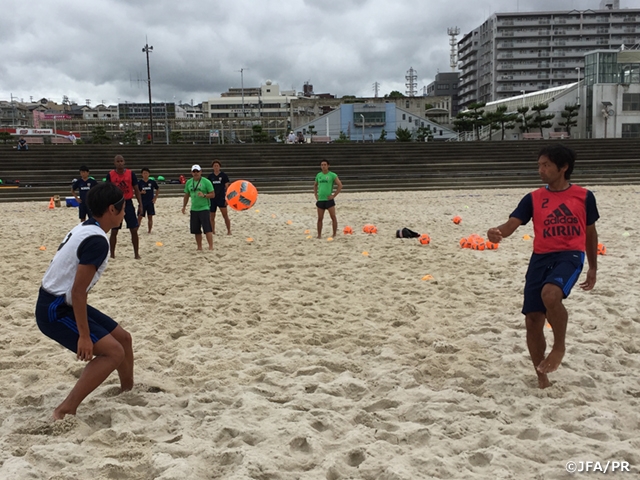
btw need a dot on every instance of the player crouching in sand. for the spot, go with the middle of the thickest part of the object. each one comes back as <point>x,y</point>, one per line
<point>62,312</point>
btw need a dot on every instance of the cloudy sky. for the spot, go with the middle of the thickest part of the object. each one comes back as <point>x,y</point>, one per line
<point>93,49</point>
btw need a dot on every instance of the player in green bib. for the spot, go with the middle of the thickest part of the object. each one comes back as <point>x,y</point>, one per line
<point>199,190</point>
<point>323,191</point>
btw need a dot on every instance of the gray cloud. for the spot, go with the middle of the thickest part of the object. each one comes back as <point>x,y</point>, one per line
<point>94,49</point>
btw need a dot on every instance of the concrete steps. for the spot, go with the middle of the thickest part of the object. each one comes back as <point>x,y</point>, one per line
<point>49,170</point>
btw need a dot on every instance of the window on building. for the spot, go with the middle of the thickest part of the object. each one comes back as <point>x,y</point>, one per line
<point>631,130</point>
<point>630,102</point>
<point>404,116</point>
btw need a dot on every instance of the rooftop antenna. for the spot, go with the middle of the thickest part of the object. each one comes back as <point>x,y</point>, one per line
<point>453,33</point>
<point>412,82</point>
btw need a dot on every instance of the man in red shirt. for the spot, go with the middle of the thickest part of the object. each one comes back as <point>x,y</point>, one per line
<point>564,224</point>
<point>126,181</point>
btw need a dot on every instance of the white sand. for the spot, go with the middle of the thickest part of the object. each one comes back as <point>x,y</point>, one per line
<point>291,358</point>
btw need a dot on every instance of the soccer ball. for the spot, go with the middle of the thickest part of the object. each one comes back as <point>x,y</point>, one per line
<point>602,250</point>
<point>347,230</point>
<point>241,195</point>
<point>457,220</point>
<point>424,239</point>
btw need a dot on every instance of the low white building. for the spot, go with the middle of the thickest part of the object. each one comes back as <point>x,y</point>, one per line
<point>251,103</point>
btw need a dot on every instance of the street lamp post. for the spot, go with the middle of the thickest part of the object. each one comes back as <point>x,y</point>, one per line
<point>522,92</point>
<point>362,117</point>
<point>578,86</point>
<point>146,49</point>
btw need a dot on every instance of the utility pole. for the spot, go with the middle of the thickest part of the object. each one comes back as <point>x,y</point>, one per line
<point>242,87</point>
<point>146,49</point>
<point>13,111</point>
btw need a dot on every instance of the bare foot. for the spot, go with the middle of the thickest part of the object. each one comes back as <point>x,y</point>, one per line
<point>543,380</point>
<point>138,257</point>
<point>229,233</point>
<point>113,256</point>
<point>200,248</point>
<point>552,362</point>
<point>126,386</point>
<point>210,248</point>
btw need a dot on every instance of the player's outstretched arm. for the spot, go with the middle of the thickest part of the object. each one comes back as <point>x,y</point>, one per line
<point>496,234</point>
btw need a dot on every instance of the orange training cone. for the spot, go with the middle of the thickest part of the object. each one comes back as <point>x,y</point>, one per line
<point>52,205</point>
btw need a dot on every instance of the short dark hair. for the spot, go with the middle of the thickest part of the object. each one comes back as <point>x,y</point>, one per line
<point>145,169</point>
<point>103,195</point>
<point>560,156</point>
<point>84,168</point>
<point>325,160</point>
<point>216,161</point>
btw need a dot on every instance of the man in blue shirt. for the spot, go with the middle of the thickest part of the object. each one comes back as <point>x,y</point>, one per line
<point>82,185</point>
<point>149,192</point>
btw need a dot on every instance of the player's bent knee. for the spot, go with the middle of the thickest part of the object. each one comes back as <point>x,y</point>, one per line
<point>551,295</point>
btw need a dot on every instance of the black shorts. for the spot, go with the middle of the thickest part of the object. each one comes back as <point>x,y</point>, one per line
<point>218,202</point>
<point>83,211</point>
<point>325,204</point>
<point>559,268</point>
<point>56,320</point>
<point>149,209</point>
<point>200,222</point>
<point>130,217</point>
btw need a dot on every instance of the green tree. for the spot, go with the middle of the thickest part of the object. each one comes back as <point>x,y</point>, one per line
<point>259,135</point>
<point>5,136</point>
<point>524,119</point>
<point>403,134</point>
<point>476,110</point>
<point>394,94</point>
<point>342,138</point>
<point>99,135</point>
<point>424,133</point>
<point>130,137</point>
<point>504,120</point>
<point>312,130</point>
<point>541,120</point>
<point>383,136</point>
<point>569,117</point>
<point>463,122</point>
<point>175,136</point>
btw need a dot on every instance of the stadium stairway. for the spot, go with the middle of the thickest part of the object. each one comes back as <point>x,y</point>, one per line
<point>48,170</point>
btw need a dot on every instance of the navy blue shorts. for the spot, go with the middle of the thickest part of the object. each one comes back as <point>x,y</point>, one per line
<point>200,221</point>
<point>218,202</point>
<point>83,211</point>
<point>130,217</point>
<point>559,268</point>
<point>148,209</point>
<point>325,204</point>
<point>56,320</point>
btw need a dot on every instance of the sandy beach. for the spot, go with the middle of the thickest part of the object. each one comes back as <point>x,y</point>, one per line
<point>288,357</point>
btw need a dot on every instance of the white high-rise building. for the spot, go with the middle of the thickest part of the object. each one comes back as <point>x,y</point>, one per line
<point>515,53</point>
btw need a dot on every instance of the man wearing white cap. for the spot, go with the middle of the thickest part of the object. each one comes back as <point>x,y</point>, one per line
<point>200,190</point>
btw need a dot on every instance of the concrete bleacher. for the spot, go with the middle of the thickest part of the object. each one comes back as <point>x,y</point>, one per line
<point>47,170</point>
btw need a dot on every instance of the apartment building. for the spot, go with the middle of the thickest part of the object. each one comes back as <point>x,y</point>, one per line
<point>518,53</point>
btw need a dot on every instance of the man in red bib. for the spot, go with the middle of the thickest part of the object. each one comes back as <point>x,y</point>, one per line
<point>564,225</point>
<point>126,181</point>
